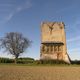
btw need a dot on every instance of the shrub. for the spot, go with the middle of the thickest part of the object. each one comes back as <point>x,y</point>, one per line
<point>6,60</point>
<point>19,60</point>
<point>75,62</point>
<point>25,60</point>
<point>50,62</point>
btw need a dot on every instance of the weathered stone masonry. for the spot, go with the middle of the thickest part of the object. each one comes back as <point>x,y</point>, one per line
<point>53,41</point>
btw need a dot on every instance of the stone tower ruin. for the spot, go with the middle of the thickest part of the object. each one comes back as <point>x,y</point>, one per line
<point>53,41</point>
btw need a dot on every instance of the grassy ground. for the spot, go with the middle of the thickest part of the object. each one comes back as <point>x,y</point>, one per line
<point>19,72</point>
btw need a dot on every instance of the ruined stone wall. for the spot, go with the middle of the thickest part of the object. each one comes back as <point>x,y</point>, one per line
<point>53,41</point>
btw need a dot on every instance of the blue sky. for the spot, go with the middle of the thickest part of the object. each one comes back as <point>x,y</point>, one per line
<point>25,16</point>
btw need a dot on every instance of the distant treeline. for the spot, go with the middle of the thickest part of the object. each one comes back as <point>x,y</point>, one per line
<point>75,62</point>
<point>29,60</point>
<point>19,60</point>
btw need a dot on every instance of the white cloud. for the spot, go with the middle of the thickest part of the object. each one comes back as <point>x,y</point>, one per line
<point>74,50</point>
<point>6,5</point>
<point>18,9</point>
<point>74,39</point>
<point>9,16</point>
<point>26,5</point>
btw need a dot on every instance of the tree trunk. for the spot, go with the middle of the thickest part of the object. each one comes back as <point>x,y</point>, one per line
<point>15,60</point>
<point>16,57</point>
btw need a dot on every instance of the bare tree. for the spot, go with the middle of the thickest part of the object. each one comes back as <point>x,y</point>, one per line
<point>15,43</point>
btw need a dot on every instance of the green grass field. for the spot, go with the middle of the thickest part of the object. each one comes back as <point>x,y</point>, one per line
<point>21,72</point>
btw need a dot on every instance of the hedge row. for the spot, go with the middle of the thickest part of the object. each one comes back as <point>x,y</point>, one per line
<point>19,60</point>
<point>75,62</point>
<point>32,61</point>
<point>6,60</point>
<point>50,62</point>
